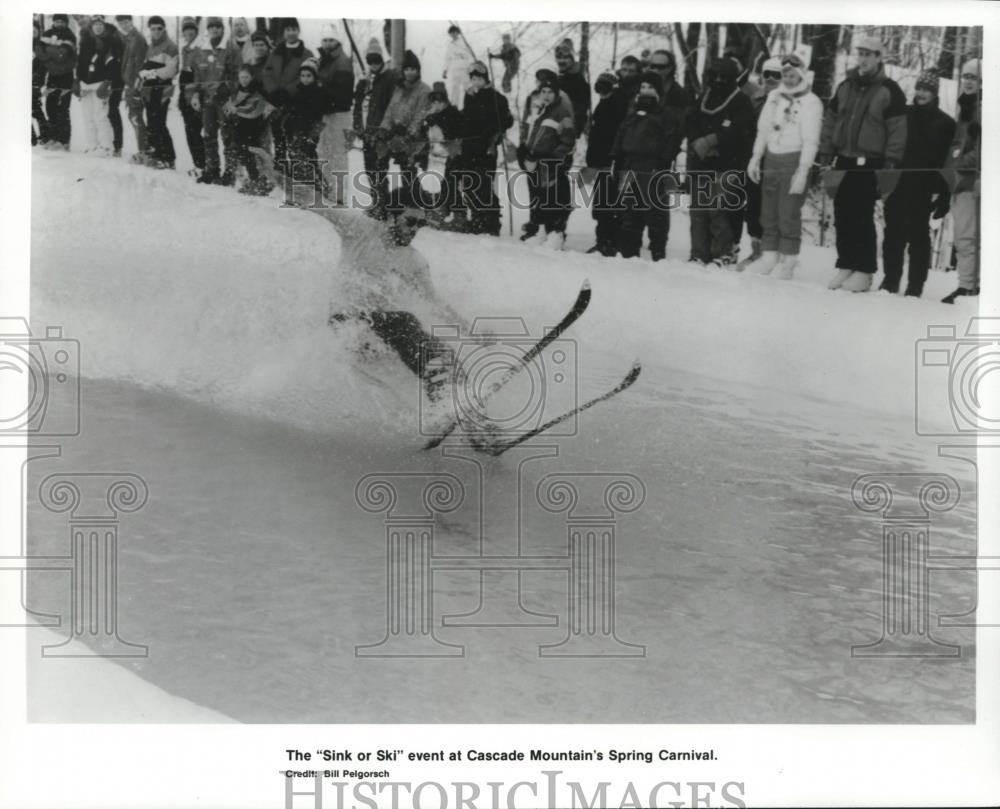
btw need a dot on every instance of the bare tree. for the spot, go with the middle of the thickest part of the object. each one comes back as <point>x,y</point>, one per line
<point>824,39</point>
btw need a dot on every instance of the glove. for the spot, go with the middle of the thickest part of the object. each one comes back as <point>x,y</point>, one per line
<point>799,179</point>
<point>196,103</point>
<point>890,164</point>
<point>941,206</point>
<point>703,147</point>
<point>753,170</point>
<point>76,88</point>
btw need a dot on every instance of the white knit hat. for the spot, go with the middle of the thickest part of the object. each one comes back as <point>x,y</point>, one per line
<point>329,31</point>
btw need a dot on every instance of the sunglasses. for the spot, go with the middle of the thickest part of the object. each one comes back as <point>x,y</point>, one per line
<point>477,73</point>
<point>772,74</point>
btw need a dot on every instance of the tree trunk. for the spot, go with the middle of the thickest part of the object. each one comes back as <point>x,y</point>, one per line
<point>711,42</point>
<point>824,40</point>
<point>689,48</point>
<point>585,50</point>
<point>946,59</point>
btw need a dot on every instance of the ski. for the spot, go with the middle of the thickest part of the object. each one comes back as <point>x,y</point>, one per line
<point>500,447</point>
<point>576,311</point>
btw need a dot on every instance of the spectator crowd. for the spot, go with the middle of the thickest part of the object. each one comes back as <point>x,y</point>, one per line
<point>745,152</point>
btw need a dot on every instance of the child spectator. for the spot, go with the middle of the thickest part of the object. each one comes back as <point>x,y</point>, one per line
<point>246,114</point>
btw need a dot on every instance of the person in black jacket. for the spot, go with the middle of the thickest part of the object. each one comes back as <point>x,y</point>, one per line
<point>98,68</point>
<point>921,191</point>
<point>643,152</point>
<point>574,84</point>
<point>607,118</point>
<point>485,118</point>
<point>373,94</point>
<point>59,58</point>
<point>37,82</point>
<point>674,98</point>
<point>442,130</point>
<point>191,116</point>
<point>720,136</point>
<point>303,120</point>
<point>628,77</point>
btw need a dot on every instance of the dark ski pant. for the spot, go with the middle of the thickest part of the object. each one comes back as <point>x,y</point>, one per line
<point>646,200</point>
<point>39,115</point>
<point>115,117</point>
<point>907,222</point>
<point>57,108</point>
<point>242,134</point>
<point>211,127</point>
<point>480,194</point>
<point>376,169</point>
<point>711,224</point>
<point>854,216</point>
<point>549,194</point>
<point>161,145</point>
<point>136,109</point>
<point>781,211</point>
<point>192,132</point>
<point>605,212</point>
<point>419,350</point>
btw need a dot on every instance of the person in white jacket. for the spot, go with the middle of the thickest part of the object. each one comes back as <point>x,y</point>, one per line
<point>788,133</point>
<point>457,59</point>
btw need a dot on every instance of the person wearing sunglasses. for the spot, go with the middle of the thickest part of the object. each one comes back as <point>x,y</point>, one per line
<point>864,131</point>
<point>921,192</point>
<point>783,153</point>
<point>962,173</point>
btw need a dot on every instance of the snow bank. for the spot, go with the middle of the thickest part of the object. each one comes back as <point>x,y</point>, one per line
<point>225,299</point>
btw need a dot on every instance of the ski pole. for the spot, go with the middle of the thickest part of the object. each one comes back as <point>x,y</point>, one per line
<point>354,48</point>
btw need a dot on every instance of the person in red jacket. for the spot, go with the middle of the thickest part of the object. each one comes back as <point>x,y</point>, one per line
<point>280,77</point>
<point>864,130</point>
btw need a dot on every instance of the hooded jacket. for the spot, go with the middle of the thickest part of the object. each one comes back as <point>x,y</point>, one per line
<point>866,118</point>
<point>962,163</point>
<point>790,121</point>
<point>551,133</point>
<point>336,76</point>
<point>281,73</point>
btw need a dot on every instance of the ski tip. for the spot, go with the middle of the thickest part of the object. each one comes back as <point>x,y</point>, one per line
<point>586,284</point>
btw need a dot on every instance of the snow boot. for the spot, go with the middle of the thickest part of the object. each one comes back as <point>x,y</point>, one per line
<point>786,268</point>
<point>208,178</point>
<point>767,261</point>
<point>755,253</point>
<point>555,240</point>
<point>886,286</point>
<point>959,293</point>
<point>838,280</point>
<point>858,282</point>
<point>528,231</point>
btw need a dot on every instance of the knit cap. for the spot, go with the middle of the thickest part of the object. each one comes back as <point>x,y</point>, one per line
<point>928,80</point>
<point>217,21</point>
<point>605,83</point>
<point>189,22</point>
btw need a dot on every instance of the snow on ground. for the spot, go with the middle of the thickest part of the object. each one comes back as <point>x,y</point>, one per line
<point>210,369</point>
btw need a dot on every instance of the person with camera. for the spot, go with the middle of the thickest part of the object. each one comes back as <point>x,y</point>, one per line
<point>550,140</point>
<point>864,131</point>
<point>920,193</point>
<point>644,150</point>
<point>133,57</point>
<point>98,66</point>
<point>962,172</point>
<point>59,58</point>
<point>783,153</point>
<point>371,99</point>
<point>485,119</point>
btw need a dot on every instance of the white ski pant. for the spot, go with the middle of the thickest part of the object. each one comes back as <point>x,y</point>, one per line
<point>96,126</point>
<point>458,82</point>
<point>332,147</point>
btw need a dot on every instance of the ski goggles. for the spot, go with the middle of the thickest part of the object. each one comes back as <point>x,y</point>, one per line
<point>772,74</point>
<point>480,73</point>
<point>792,60</point>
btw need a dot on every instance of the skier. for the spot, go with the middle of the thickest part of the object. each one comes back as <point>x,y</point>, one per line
<point>864,130</point>
<point>456,66</point>
<point>510,56</point>
<point>910,206</point>
<point>787,139</point>
<point>962,173</point>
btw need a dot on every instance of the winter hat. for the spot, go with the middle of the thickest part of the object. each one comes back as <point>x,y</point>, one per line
<point>438,87</point>
<point>374,49</point>
<point>96,18</point>
<point>156,19</point>
<point>973,66</point>
<point>928,80</point>
<point>454,29</point>
<point>552,83</point>
<point>189,22</point>
<point>410,60</point>
<point>290,22</point>
<point>63,17</point>
<point>123,18</point>
<point>260,36</point>
<point>725,71</point>
<point>771,65</point>
<point>544,73</point>
<point>311,66</point>
<point>793,61</point>
<point>329,31</point>
<point>653,80</point>
<point>564,50</point>
<point>867,42</point>
<point>214,21</point>
<point>437,95</point>
<point>477,68</point>
<point>605,83</point>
